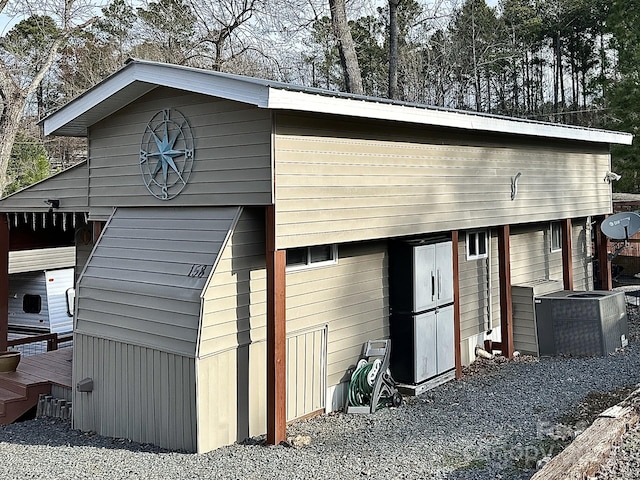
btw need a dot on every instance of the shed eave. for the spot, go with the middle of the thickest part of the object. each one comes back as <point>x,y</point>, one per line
<point>365,108</point>
<point>138,78</point>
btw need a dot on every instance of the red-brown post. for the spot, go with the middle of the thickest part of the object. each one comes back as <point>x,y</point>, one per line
<point>506,309</point>
<point>4,282</point>
<point>97,230</point>
<point>276,335</point>
<point>456,303</point>
<point>604,264</point>
<point>567,253</point>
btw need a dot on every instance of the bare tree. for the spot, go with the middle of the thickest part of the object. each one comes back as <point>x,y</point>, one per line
<point>393,49</point>
<point>348,57</point>
<point>17,84</point>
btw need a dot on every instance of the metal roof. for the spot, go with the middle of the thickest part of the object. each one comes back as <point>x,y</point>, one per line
<point>139,77</point>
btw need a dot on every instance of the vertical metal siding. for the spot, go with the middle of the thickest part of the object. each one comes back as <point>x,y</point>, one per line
<point>306,372</point>
<point>231,388</point>
<point>139,393</point>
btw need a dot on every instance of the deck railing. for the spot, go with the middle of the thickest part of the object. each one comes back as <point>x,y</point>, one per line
<point>52,340</point>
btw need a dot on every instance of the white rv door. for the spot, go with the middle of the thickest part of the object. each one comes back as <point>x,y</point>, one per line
<point>58,282</point>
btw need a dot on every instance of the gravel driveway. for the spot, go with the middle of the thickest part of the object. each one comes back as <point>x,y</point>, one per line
<point>496,423</point>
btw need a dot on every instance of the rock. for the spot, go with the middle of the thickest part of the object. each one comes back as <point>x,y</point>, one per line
<point>542,462</point>
<point>299,441</point>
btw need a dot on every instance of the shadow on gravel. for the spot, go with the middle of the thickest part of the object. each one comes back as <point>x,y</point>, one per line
<point>55,432</point>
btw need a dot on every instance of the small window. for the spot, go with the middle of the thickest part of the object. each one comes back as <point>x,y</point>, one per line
<point>31,303</point>
<point>71,301</point>
<point>477,245</point>
<point>305,257</point>
<point>556,236</point>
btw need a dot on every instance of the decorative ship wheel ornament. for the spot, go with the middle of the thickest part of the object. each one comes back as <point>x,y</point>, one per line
<point>166,154</point>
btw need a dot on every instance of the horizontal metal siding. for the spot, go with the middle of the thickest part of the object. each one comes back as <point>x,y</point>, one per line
<point>352,298</point>
<point>524,329</point>
<point>531,256</point>
<point>338,184</point>
<point>582,258</point>
<point>83,251</point>
<point>41,259</point>
<point>524,332</point>
<point>68,186</point>
<point>234,301</point>
<point>29,283</point>
<point>232,163</point>
<point>137,285</point>
<point>474,294</point>
<point>139,393</point>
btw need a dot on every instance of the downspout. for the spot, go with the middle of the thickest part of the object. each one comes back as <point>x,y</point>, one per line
<point>489,290</point>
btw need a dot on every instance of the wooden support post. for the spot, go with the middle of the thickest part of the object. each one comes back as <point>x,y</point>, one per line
<point>276,335</point>
<point>567,253</point>
<point>506,309</point>
<point>604,264</point>
<point>456,302</point>
<point>97,230</point>
<point>4,282</point>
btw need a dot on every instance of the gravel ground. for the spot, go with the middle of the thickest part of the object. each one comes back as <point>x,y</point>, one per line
<point>495,423</point>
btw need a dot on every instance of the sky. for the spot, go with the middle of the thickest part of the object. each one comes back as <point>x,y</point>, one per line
<point>7,22</point>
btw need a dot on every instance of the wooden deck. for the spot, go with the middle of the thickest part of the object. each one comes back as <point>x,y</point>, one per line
<point>19,390</point>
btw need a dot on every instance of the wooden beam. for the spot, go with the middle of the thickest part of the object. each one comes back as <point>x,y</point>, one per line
<point>604,264</point>
<point>276,335</point>
<point>586,454</point>
<point>456,302</point>
<point>506,309</point>
<point>567,254</point>
<point>97,230</point>
<point>4,282</point>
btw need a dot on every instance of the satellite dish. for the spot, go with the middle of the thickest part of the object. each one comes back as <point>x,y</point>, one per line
<point>621,226</point>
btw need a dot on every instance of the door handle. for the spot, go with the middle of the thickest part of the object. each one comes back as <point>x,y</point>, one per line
<point>433,286</point>
<point>439,283</point>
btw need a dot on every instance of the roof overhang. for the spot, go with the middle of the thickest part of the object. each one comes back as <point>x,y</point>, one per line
<point>137,78</point>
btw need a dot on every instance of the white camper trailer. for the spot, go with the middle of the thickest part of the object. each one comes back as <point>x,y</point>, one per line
<point>38,302</point>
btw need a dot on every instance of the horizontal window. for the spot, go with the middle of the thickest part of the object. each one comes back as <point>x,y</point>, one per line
<point>307,257</point>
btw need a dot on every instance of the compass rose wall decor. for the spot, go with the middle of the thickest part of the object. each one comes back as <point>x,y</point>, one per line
<point>166,154</point>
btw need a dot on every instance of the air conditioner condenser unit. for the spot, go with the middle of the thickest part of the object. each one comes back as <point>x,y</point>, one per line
<point>581,323</point>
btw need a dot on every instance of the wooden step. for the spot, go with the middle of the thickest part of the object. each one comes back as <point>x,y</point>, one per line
<point>13,404</point>
<point>20,381</point>
<point>6,398</point>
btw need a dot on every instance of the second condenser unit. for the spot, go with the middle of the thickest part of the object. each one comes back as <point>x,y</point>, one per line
<point>421,301</point>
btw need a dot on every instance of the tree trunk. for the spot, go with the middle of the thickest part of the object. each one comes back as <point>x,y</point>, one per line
<point>346,48</point>
<point>9,127</point>
<point>393,49</point>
